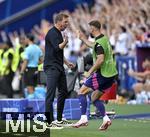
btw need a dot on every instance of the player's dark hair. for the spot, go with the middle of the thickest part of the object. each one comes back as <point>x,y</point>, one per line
<point>95,23</point>
<point>60,16</point>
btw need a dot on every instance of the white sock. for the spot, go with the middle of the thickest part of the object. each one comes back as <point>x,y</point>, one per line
<point>106,118</point>
<point>84,117</point>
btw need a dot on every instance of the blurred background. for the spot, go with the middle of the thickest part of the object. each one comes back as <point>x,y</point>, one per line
<point>125,22</point>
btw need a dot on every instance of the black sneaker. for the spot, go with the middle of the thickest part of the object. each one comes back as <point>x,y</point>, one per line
<point>54,125</point>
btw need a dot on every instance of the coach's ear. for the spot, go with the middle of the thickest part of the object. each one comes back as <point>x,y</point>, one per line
<point>96,95</point>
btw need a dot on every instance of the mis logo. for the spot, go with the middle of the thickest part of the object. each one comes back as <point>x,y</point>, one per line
<point>13,125</point>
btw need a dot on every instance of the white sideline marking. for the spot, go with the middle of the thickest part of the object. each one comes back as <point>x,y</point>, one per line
<point>138,120</point>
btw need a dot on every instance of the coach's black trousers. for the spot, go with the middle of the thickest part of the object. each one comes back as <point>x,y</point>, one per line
<point>55,78</point>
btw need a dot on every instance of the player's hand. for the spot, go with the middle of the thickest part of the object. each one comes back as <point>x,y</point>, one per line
<point>70,65</point>
<point>83,80</point>
<point>86,74</point>
<point>80,35</point>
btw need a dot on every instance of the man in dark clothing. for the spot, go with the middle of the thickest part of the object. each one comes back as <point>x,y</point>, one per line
<point>53,67</point>
<point>7,69</point>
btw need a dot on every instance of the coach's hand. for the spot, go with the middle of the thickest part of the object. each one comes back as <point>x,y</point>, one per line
<point>65,39</point>
<point>70,65</point>
<point>64,43</point>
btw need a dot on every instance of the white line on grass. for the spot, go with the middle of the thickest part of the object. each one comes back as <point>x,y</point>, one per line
<point>138,120</point>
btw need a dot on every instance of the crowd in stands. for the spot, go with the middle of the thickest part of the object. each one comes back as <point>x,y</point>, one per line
<point>125,22</point>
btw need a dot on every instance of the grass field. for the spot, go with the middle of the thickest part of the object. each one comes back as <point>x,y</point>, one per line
<point>128,109</point>
<point>119,128</point>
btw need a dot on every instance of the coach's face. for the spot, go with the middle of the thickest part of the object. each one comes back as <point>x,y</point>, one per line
<point>64,24</point>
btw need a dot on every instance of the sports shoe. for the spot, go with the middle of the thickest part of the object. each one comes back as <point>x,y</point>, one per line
<point>80,123</point>
<point>105,125</point>
<point>54,125</point>
<point>64,123</point>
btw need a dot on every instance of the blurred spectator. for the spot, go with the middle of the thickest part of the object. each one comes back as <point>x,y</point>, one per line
<point>121,47</point>
<point>142,88</point>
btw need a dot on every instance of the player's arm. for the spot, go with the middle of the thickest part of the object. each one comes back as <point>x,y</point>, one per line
<point>96,66</point>
<point>85,40</point>
<point>88,43</point>
<point>99,60</point>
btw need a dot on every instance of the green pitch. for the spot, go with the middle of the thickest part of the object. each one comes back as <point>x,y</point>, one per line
<point>119,128</point>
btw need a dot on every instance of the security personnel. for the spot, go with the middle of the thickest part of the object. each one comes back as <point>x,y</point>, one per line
<point>1,80</point>
<point>40,67</point>
<point>1,52</point>
<point>7,68</point>
<point>17,57</point>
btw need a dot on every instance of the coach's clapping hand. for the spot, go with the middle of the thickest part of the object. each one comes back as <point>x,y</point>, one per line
<point>65,39</point>
<point>64,43</point>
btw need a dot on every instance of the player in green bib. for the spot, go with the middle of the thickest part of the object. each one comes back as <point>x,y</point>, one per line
<point>100,77</point>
